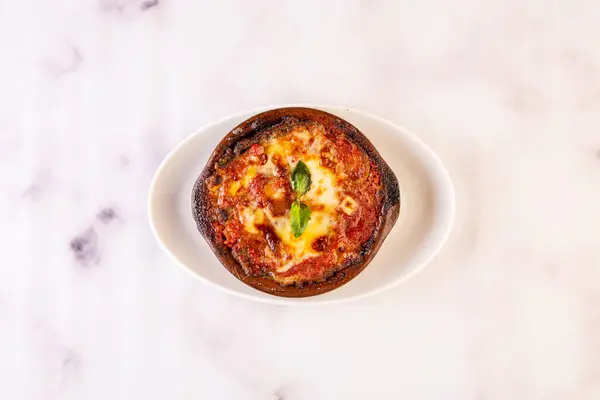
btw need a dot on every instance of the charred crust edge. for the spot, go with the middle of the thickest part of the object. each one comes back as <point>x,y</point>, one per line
<point>244,133</point>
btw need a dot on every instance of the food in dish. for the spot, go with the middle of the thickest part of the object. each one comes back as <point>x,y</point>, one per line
<point>295,201</point>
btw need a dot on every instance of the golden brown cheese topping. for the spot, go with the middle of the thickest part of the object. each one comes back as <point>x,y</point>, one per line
<point>251,196</point>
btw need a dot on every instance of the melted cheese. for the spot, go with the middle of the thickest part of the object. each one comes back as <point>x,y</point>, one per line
<point>251,218</point>
<point>301,247</point>
<point>247,178</point>
<point>268,169</point>
<point>302,133</point>
<point>323,197</point>
<point>348,205</point>
<point>234,186</point>
<point>323,190</point>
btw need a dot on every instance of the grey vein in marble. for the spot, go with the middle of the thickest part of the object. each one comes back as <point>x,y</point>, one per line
<point>75,64</point>
<point>85,248</point>
<point>106,215</point>
<point>112,6</point>
<point>33,192</point>
<point>70,366</point>
<point>148,4</point>
<point>279,395</point>
<point>124,161</point>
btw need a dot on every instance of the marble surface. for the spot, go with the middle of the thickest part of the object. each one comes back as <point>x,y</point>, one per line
<point>93,94</point>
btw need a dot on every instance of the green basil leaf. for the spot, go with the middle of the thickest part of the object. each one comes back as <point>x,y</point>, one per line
<point>301,179</point>
<point>300,215</point>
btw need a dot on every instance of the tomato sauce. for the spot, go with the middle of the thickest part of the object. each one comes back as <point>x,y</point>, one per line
<point>261,251</point>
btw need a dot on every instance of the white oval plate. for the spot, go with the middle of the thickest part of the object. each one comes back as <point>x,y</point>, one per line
<point>426,209</point>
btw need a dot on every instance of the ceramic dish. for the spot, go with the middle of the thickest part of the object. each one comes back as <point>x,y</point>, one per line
<point>295,201</point>
<point>424,224</point>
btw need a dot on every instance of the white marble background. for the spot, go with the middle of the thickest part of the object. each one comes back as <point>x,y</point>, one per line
<point>93,94</point>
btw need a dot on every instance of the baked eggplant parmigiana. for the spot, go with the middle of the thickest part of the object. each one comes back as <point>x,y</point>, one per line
<point>295,201</point>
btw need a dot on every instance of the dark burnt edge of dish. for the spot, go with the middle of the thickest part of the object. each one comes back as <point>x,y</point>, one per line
<point>248,132</point>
